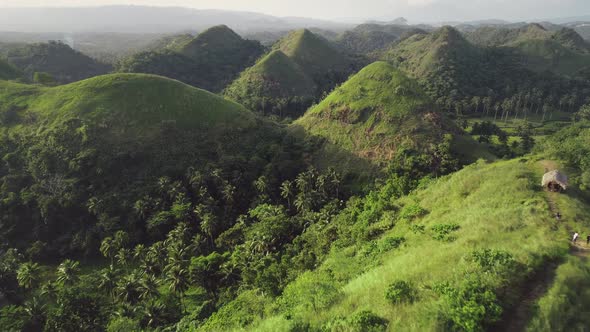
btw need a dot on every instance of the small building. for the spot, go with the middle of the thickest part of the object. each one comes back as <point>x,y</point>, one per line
<point>555,181</point>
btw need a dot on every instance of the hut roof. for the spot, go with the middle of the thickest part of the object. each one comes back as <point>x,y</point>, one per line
<point>557,177</point>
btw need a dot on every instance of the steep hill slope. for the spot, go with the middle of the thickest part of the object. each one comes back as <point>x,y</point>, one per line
<point>311,65</point>
<point>275,82</point>
<point>314,54</point>
<point>375,115</point>
<point>209,61</point>
<point>456,256</point>
<point>459,75</point>
<point>563,51</point>
<point>108,140</point>
<point>63,63</point>
<point>432,54</point>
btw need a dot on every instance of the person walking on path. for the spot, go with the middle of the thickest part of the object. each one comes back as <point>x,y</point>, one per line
<point>575,238</point>
<point>588,240</point>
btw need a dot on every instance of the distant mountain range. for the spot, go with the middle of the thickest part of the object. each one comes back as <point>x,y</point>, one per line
<point>144,19</point>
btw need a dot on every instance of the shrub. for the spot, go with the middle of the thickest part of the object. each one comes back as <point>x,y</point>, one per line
<point>400,291</point>
<point>123,324</point>
<point>311,290</point>
<point>362,321</point>
<point>418,229</point>
<point>471,306</point>
<point>411,211</point>
<point>442,232</point>
<point>491,260</point>
<point>392,242</point>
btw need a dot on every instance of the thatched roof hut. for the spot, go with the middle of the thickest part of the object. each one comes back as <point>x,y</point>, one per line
<point>555,181</point>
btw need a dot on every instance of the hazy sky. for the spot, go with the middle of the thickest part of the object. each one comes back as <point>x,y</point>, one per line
<point>423,10</point>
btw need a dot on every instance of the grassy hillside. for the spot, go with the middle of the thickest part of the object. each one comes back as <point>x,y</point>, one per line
<point>134,100</point>
<point>276,82</point>
<point>468,79</point>
<point>64,64</point>
<point>313,53</point>
<point>108,139</point>
<point>423,54</point>
<point>563,51</point>
<point>374,115</point>
<point>300,68</point>
<point>209,61</point>
<point>455,256</point>
<point>549,55</point>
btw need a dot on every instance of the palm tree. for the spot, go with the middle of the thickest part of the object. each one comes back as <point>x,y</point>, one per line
<point>123,256</point>
<point>35,311</point>
<point>148,287</point>
<point>28,275</point>
<point>178,277</point>
<point>152,313</point>
<point>287,191</point>
<point>128,288</point>
<point>108,280</point>
<point>49,291</point>
<point>139,252</point>
<point>108,248</point>
<point>67,272</point>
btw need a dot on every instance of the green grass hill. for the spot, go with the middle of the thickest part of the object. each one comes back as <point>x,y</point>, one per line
<point>477,250</point>
<point>60,61</point>
<point>209,61</point>
<point>110,138</point>
<point>563,52</point>
<point>275,81</point>
<point>450,67</point>
<point>313,53</point>
<point>550,55</point>
<point>373,116</point>
<point>424,55</point>
<point>133,100</point>
<point>300,68</point>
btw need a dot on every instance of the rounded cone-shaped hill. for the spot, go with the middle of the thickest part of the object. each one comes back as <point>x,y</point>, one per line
<point>220,41</point>
<point>209,61</point>
<point>313,53</point>
<point>276,78</point>
<point>571,39</point>
<point>136,100</point>
<point>373,115</point>
<point>64,64</point>
<point>425,54</point>
<point>150,120</point>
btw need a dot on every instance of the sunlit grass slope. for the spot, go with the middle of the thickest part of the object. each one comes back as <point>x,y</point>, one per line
<point>497,206</point>
<point>136,101</point>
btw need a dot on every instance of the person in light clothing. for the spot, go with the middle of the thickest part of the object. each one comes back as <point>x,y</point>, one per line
<point>575,238</point>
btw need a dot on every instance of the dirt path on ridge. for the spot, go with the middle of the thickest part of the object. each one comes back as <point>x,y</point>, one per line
<point>517,318</point>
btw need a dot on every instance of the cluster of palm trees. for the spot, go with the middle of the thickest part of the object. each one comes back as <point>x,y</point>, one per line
<point>519,104</point>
